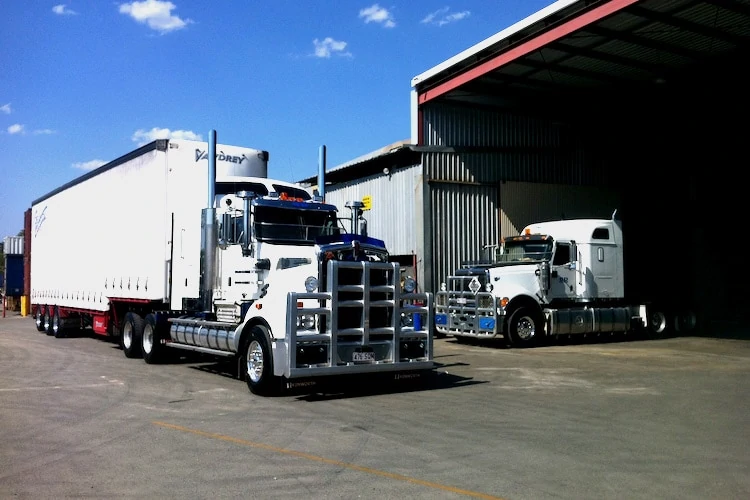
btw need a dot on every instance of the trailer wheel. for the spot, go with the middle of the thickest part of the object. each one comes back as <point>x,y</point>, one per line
<point>47,320</point>
<point>132,332</point>
<point>57,329</point>
<point>258,364</point>
<point>153,349</point>
<point>39,318</point>
<point>525,326</point>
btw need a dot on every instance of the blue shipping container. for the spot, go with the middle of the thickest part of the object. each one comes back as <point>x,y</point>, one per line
<point>13,284</point>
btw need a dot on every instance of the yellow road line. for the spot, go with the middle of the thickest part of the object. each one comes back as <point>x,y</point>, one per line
<point>329,461</point>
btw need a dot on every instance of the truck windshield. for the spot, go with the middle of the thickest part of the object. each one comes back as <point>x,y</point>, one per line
<point>525,250</point>
<point>289,225</point>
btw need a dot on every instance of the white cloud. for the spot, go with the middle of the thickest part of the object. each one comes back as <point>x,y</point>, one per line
<point>44,131</point>
<point>16,128</point>
<point>324,48</point>
<point>89,165</point>
<point>145,136</point>
<point>377,14</point>
<point>63,10</point>
<point>157,14</point>
<point>443,16</point>
<point>5,108</point>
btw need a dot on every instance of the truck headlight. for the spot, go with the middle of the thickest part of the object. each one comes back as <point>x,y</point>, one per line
<point>306,321</point>
<point>311,284</point>
<point>410,284</point>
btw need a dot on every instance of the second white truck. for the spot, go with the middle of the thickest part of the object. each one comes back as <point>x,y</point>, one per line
<point>557,278</point>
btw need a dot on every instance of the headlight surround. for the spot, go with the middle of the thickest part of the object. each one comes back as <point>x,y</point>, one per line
<point>485,301</point>
<point>410,284</point>
<point>311,284</point>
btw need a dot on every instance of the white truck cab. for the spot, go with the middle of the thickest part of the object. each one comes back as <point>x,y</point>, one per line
<point>555,278</point>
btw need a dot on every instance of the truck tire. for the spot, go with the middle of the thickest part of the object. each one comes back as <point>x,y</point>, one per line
<point>47,320</point>
<point>132,332</point>
<point>657,322</point>
<point>525,326</point>
<point>257,364</point>
<point>39,318</point>
<point>57,329</point>
<point>151,346</point>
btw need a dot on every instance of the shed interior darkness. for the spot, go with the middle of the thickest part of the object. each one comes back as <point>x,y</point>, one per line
<point>655,91</point>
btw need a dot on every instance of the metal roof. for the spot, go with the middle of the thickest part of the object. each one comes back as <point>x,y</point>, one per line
<point>580,46</point>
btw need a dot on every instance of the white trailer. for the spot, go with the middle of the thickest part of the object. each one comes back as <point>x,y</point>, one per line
<point>557,278</point>
<point>188,245</point>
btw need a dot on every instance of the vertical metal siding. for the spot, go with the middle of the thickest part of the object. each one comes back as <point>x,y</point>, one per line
<point>522,203</point>
<point>393,216</point>
<point>463,222</point>
<point>519,148</point>
<point>13,245</point>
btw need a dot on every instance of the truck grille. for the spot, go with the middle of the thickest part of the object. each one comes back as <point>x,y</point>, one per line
<point>359,323</point>
<point>465,308</point>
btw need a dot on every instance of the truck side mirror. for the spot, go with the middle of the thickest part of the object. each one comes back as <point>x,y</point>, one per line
<point>573,256</point>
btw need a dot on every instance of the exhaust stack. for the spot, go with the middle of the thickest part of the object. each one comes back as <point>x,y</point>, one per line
<point>208,232</point>
<point>322,173</point>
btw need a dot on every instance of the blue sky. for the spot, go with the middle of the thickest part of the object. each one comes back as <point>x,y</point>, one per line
<point>84,82</point>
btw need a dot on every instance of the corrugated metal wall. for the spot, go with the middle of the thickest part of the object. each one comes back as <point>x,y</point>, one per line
<point>396,212</point>
<point>502,159</point>
<point>463,220</point>
<point>523,203</point>
<point>512,148</point>
<point>13,245</point>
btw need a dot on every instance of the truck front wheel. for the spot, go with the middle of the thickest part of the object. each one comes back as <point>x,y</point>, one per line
<point>132,331</point>
<point>525,327</point>
<point>258,364</point>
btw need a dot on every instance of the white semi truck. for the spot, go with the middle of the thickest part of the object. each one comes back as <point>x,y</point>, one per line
<point>188,245</point>
<point>557,278</point>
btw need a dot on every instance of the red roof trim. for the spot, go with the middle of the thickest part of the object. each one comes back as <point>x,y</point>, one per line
<point>540,41</point>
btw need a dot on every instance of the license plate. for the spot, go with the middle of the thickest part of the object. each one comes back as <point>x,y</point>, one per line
<point>461,300</point>
<point>363,356</point>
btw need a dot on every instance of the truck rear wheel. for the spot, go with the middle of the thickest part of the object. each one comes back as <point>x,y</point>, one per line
<point>132,332</point>
<point>39,318</point>
<point>525,327</point>
<point>57,329</point>
<point>153,349</point>
<point>258,364</point>
<point>47,320</point>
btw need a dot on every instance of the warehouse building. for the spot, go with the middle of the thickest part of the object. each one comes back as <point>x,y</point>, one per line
<point>581,109</point>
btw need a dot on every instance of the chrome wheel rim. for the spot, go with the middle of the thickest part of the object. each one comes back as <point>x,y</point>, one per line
<point>148,338</point>
<point>255,361</point>
<point>526,328</point>
<point>127,335</point>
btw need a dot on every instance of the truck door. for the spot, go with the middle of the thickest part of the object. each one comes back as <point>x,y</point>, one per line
<point>562,277</point>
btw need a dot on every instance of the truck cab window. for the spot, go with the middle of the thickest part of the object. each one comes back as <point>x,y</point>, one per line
<point>562,254</point>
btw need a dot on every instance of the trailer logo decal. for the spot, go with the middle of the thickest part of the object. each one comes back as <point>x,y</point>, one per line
<point>39,220</point>
<point>220,156</point>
